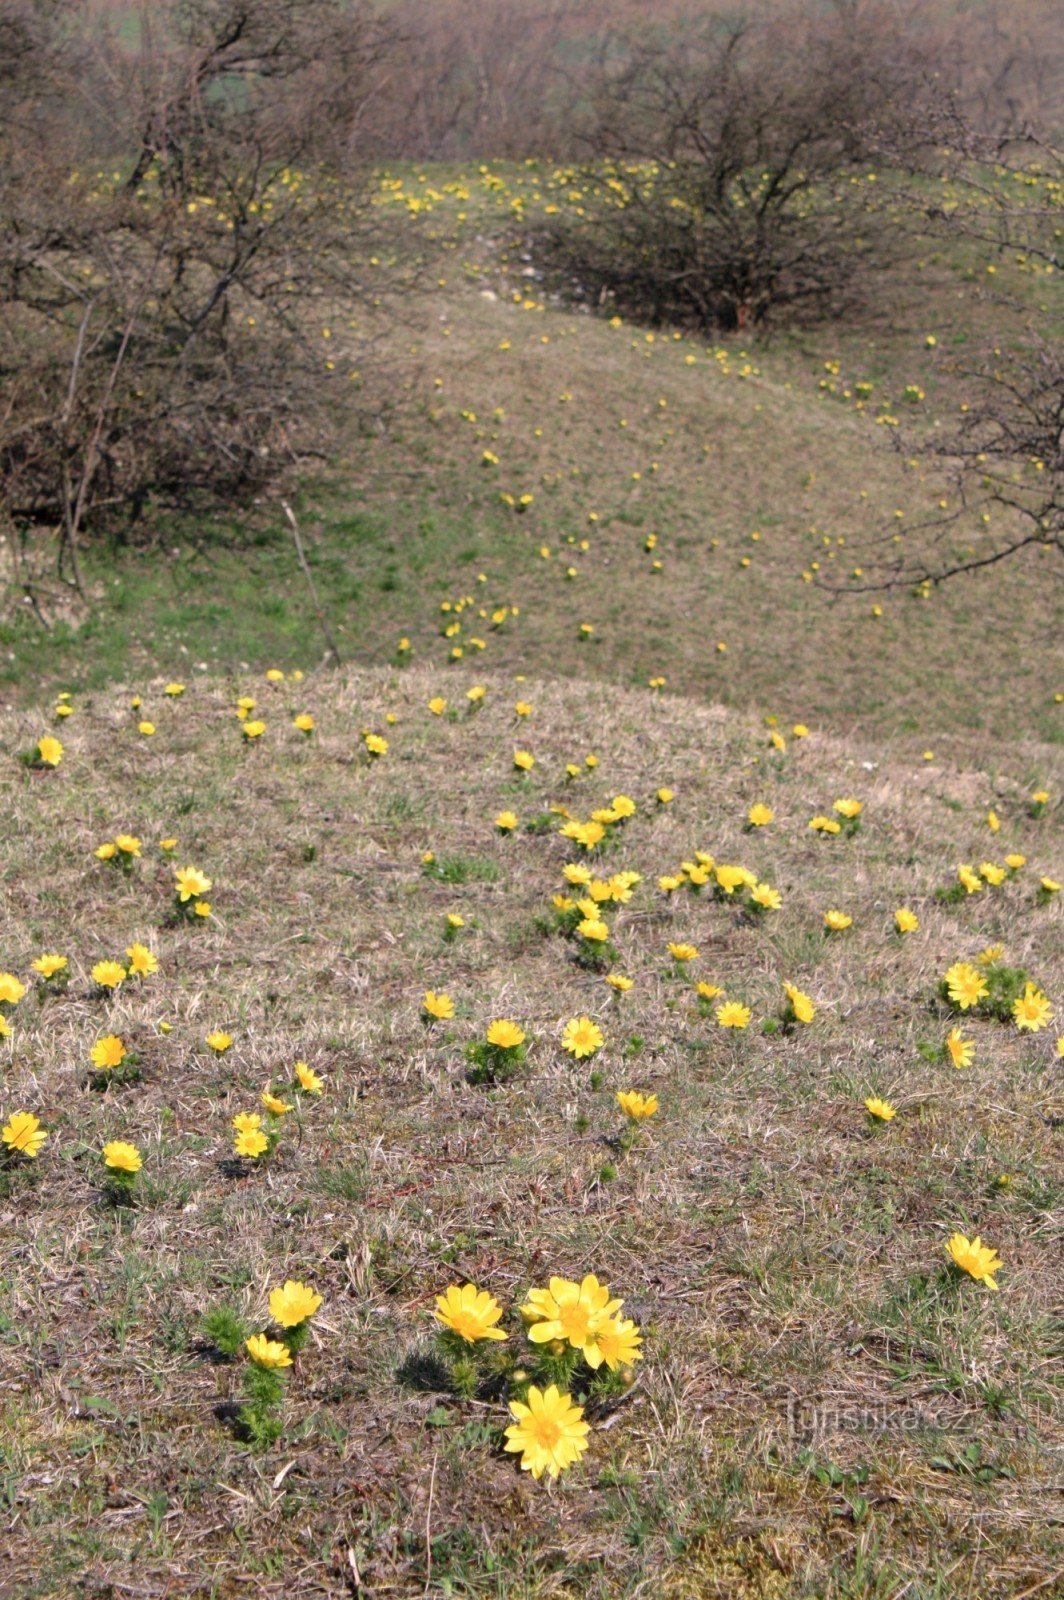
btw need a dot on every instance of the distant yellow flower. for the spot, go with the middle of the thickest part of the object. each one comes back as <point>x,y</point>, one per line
<point>991,955</point>
<point>141,961</point>
<point>800,730</point>
<point>848,807</point>
<point>274,675</point>
<point>267,1352</point>
<point>993,821</point>
<point>309,1080</point>
<point>128,844</point>
<point>274,1103</point>
<point>23,1134</point>
<point>965,985</point>
<point>11,989</point>
<point>522,709</point>
<point>682,952</point>
<point>375,744</point>
<point>506,821</point>
<point>837,921</point>
<point>961,1050</point>
<point>524,760</point>
<point>1014,861</point>
<point>438,706</point>
<point>907,921</point>
<point>880,1109</point>
<point>825,825</point>
<point>5,1027</point>
<point>581,1037</point>
<point>218,1041</point>
<point>252,1143</point>
<point>294,1303</point>
<point>476,694</point>
<point>174,689</point>
<point>167,845</point>
<point>253,729</point>
<point>247,1121</point>
<point>108,974</point>
<point>47,966</point>
<point>146,728</point>
<point>765,896</point>
<point>505,1035</point>
<point>618,981</point>
<point>469,1312</point>
<point>635,1105</point>
<point>594,929</point>
<point>304,722</point>
<point>455,920</point>
<point>975,1258</point>
<point>549,1432</point>
<point>730,878</point>
<point>1032,1010</point>
<point>803,1008</point>
<point>122,1157</point>
<point>106,851</point>
<point>201,908</point>
<point>732,1014</point>
<point>1050,886</point>
<point>708,991</point>
<point>190,883</point>
<point>438,1005</point>
<point>992,873</point>
<point>108,1052</point>
<point>759,816</point>
<point>49,751</point>
<point>665,797</point>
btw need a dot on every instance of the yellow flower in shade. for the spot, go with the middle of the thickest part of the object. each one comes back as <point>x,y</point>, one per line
<point>174,689</point>
<point>218,1041</point>
<point>905,920</point>
<point>437,1005</point>
<point>708,991</point>
<point>581,1037</point>
<point>1031,1010</point>
<point>733,1015</point>
<point>108,974</point>
<point>308,1079</point>
<point>49,965</point>
<point>594,929</point>
<point>759,816</point>
<point>375,744</point>
<point>23,1135</point>
<point>619,982</point>
<point>108,1052</point>
<point>803,1008</point>
<point>274,1103</point>
<point>882,1110</point>
<point>141,961</point>
<point>11,989</point>
<point>765,896</point>
<point>294,1303</point>
<point>549,1432</point>
<point>637,1106</point>
<point>267,1352</point>
<point>253,730</point>
<point>991,955</point>
<point>438,706</point>
<point>506,821</point>
<point>961,1050</point>
<point>682,952</point>
<point>965,985</point>
<point>618,1342</point>
<point>505,1035</point>
<point>122,1157</point>
<point>146,728</point>
<point>251,1142</point>
<point>469,1312</point>
<point>665,797</point>
<point>524,760</point>
<point>837,921</point>
<point>190,883</point>
<point>570,1312</point>
<point>49,751</point>
<point>848,807</point>
<point>975,1258</point>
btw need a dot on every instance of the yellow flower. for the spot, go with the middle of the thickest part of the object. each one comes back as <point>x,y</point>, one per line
<point>682,952</point>
<point>49,751</point>
<point>665,797</point>
<point>635,1105</point>
<point>618,1342</point>
<point>218,1041</point>
<point>146,728</point>
<point>455,920</point>
<point>991,955</point>
<point>190,883</point>
<point>965,986</point>
<point>11,989</point>
<point>594,929</point>
<point>469,1312</point>
<point>880,1109</point>
<point>253,730</point>
<point>732,1014</point>
<point>961,1050</point>
<point>825,825</point>
<point>575,874</point>
<point>201,908</point>
<point>108,1052</point>
<point>47,966</point>
<point>438,1005</point>
<point>759,816</point>
<point>848,808</point>
<point>267,1352</point>
<point>1014,861</point>
<point>5,1027</point>
<point>438,706</point>
<point>803,1008</point>
<point>571,1312</point>
<point>23,1134</point>
<point>251,1142</point>
<point>106,851</point>
<point>273,1103</point>
<point>907,921</point>
<point>800,730</point>
<point>475,694</point>
<point>294,1303</point>
<point>1032,1009</point>
<point>524,760</point>
<point>167,845</point>
<point>247,1121</point>
<point>505,1035</point>
<point>506,821</point>
<point>992,873</point>
<point>1050,885</point>
<point>174,689</point>
<point>141,961</point>
<point>108,974</point>
<point>304,722</point>
<point>837,921</point>
<point>308,1078</point>
<point>708,991</point>
<point>522,709</point>
<point>730,878</point>
<point>375,744</point>
<point>993,821</point>
<point>618,981</point>
<point>274,675</point>
<point>549,1431</point>
<point>764,895</point>
<point>975,1258</point>
<point>581,1037</point>
<point>122,1157</point>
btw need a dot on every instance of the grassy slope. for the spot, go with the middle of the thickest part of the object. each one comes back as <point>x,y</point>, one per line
<point>772,1246</point>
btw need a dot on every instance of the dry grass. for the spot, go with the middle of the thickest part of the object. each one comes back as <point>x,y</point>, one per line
<point>781,1256</point>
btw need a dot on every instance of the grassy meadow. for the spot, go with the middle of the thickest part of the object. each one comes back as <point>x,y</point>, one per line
<point>613,550</point>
